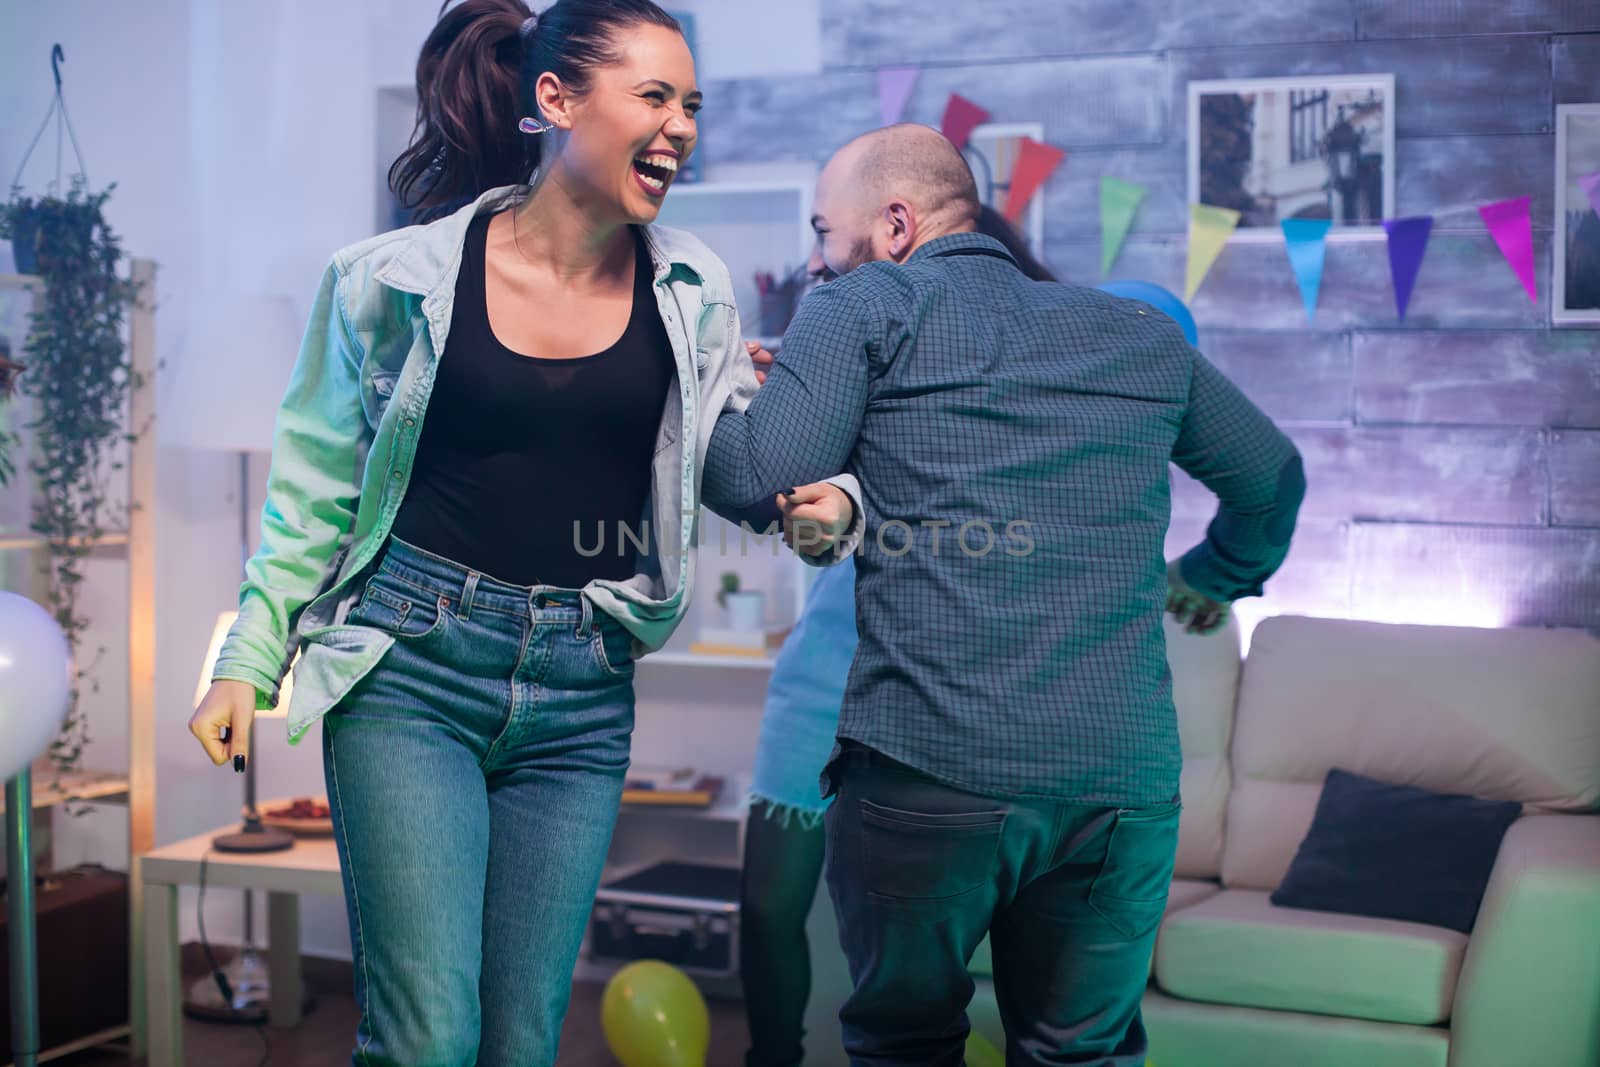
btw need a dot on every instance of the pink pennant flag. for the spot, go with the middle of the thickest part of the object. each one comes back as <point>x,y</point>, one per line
<point>961,117</point>
<point>1512,230</point>
<point>894,91</point>
<point>1035,162</point>
<point>1590,184</point>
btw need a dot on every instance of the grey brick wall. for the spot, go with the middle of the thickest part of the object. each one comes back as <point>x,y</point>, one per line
<point>1454,458</point>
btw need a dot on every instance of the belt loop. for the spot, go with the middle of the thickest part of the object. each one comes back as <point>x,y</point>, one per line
<point>586,626</point>
<point>468,591</point>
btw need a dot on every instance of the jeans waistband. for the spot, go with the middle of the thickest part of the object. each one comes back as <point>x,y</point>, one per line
<point>473,590</point>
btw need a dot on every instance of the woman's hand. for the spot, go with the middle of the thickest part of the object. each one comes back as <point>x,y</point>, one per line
<point>815,516</point>
<point>222,721</point>
<point>761,358</point>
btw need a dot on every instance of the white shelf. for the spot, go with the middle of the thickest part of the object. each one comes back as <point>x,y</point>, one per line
<point>21,281</point>
<point>728,807</point>
<point>696,659</point>
<point>106,540</point>
<point>107,787</point>
<point>696,190</point>
<point>753,226</point>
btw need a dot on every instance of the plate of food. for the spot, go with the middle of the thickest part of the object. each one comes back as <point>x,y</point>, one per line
<point>298,815</point>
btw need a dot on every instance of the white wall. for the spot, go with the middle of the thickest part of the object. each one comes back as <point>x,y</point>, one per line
<point>755,38</point>
<point>242,141</point>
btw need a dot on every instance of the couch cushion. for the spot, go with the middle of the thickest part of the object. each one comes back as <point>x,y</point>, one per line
<point>1186,1034</point>
<point>1182,893</point>
<point>1237,948</point>
<point>1396,852</point>
<point>1501,714</point>
<point>1205,684</point>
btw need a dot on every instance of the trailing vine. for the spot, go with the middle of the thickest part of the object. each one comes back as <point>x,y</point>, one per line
<point>9,369</point>
<point>79,378</point>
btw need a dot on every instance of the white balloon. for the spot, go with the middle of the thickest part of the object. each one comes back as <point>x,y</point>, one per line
<point>35,681</point>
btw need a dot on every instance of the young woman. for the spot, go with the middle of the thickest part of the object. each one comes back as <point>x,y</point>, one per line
<point>783,843</point>
<point>490,414</point>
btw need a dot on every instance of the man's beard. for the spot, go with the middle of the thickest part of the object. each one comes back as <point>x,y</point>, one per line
<point>860,255</point>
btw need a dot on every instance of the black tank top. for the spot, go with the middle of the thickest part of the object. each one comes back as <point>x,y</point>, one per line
<point>516,449</point>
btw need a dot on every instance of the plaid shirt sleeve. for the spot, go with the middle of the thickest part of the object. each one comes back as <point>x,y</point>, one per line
<point>1234,449</point>
<point>802,426</point>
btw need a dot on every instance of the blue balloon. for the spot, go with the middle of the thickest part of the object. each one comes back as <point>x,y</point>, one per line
<point>1161,299</point>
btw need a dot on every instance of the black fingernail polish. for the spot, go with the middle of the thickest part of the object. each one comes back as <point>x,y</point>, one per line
<point>789,491</point>
<point>238,763</point>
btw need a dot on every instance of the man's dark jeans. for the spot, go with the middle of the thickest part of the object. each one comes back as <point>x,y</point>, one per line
<point>1070,895</point>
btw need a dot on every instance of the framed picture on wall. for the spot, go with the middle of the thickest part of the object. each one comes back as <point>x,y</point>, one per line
<point>1319,147</point>
<point>1575,289</point>
<point>991,152</point>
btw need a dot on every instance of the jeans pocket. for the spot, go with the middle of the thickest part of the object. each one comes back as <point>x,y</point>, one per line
<point>1130,891</point>
<point>613,648</point>
<point>920,864</point>
<point>398,611</point>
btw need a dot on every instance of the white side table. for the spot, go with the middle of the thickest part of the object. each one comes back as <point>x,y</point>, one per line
<point>311,866</point>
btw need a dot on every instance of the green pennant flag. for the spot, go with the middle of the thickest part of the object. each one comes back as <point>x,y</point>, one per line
<point>1119,200</point>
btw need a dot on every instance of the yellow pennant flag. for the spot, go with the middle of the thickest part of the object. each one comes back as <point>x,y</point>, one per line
<point>1209,229</point>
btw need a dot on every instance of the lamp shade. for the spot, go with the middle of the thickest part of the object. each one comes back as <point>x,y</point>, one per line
<point>219,634</point>
<point>228,384</point>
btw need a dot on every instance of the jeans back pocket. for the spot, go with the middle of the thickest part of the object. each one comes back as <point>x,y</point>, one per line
<point>920,863</point>
<point>1130,892</point>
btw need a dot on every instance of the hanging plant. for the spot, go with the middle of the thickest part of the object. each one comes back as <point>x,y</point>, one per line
<point>9,369</point>
<point>79,380</point>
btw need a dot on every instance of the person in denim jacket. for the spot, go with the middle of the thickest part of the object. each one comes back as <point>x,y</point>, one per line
<point>480,510</point>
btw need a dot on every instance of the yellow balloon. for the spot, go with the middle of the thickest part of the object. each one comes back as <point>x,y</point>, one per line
<point>654,1016</point>
<point>982,1053</point>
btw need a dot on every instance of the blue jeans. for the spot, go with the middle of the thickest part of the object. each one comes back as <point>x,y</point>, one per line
<point>1070,897</point>
<point>474,777</point>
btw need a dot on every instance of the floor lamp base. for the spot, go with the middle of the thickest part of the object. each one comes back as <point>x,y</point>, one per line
<point>252,992</point>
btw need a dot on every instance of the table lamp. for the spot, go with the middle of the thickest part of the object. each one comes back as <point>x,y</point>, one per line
<point>252,836</point>
<point>225,398</point>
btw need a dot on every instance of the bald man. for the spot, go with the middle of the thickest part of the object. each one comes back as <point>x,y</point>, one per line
<point>1007,759</point>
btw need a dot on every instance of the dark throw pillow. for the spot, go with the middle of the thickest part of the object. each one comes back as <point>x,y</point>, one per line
<point>1396,852</point>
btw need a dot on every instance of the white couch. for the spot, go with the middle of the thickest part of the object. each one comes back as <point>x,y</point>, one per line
<point>1237,982</point>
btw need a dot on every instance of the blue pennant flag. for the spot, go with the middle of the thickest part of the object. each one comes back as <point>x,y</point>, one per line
<point>1306,240</point>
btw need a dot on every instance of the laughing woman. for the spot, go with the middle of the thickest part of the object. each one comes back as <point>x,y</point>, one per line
<point>479,403</point>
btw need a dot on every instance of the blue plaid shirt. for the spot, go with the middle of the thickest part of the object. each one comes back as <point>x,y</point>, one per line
<point>1012,440</point>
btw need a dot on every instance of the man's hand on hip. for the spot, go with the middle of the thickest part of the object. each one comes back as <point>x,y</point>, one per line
<point>1198,613</point>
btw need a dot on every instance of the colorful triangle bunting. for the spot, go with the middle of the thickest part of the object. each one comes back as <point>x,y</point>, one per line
<point>1307,243</point>
<point>961,117</point>
<point>894,91</point>
<point>1512,230</point>
<point>1035,162</point>
<point>1408,240</point>
<point>1119,202</point>
<point>1209,230</point>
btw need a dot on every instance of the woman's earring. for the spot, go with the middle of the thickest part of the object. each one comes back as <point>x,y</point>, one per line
<point>531,125</point>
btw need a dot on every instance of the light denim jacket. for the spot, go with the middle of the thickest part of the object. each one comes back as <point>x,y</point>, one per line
<point>347,434</point>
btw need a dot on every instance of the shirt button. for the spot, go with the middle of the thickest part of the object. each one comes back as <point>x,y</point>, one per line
<point>395,475</point>
<point>411,422</point>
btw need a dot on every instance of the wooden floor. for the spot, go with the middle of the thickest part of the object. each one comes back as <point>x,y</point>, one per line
<point>326,1036</point>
